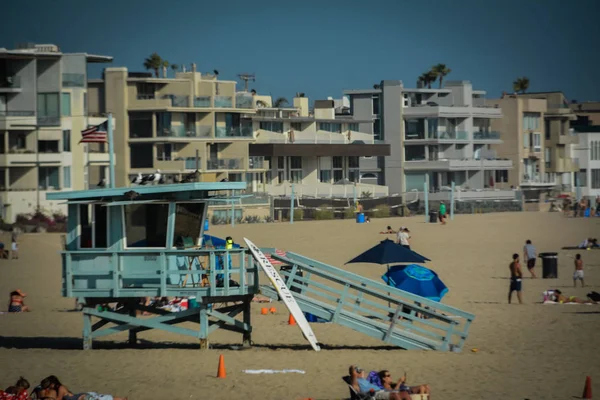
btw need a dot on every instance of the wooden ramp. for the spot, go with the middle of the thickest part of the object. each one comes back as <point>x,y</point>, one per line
<point>388,314</point>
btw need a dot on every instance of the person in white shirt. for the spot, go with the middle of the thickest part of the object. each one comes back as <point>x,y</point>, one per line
<point>403,237</point>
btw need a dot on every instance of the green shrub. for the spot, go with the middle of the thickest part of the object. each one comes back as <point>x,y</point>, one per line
<point>366,194</point>
<point>298,214</point>
<point>323,213</point>
<point>349,213</point>
<point>383,211</point>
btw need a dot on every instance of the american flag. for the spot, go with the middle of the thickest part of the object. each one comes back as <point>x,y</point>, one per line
<point>94,134</point>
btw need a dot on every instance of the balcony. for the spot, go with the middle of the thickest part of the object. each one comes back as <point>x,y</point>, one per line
<point>569,138</point>
<point>148,101</point>
<point>225,164</point>
<point>437,136</point>
<point>243,102</point>
<point>257,162</point>
<point>179,101</point>
<point>17,119</point>
<point>450,164</point>
<point>202,102</point>
<point>73,80</point>
<point>48,120</point>
<point>10,84</point>
<point>537,181</point>
<point>223,102</point>
<point>233,132</point>
<point>181,131</point>
<point>176,164</point>
<point>26,158</point>
<point>486,135</point>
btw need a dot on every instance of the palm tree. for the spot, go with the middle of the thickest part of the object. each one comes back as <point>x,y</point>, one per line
<point>422,79</point>
<point>521,85</point>
<point>261,104</point>
<point>154,63</point>
<point>174,67</point>
<point>280,102</point>
<point>164,65</point>
<point>428,78</point>
<point>441,70</point>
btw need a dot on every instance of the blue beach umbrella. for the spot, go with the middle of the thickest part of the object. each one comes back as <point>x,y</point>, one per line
<point>417,280</point>
<point>388,252</point>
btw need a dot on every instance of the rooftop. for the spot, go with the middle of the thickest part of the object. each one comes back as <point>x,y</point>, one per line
<point>147,190</point>
<point>48,50</point>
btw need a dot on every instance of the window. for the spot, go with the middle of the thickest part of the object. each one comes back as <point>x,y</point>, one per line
<point>296,126</point>
<point>376,105</point>
<point>66,140</point>
<point>47,105</point>
<point>353,171</point>
<point>140,155</point>
<point>146,225</point>
<point>526,140</point>
<point>66,104</point>
<point>163,151</point>
<point>536,139</point>
<point>338,168</point>
<point>66,177</point>
<point>330,127</point>
<point>581,178</point>
<point>93,223</point>
<point>377,128</point>
<point>501,176</point>
<point>531,121</point>
<point>352,162</point>
<point>48,146</point>
<point>295,169</point>
<point>595,150</point>
<point>48,178</point>
<point>547,129</point>
<point>140,124</point>
<point>281,169</point>
<point>595,178</point>
<point>548,157</point>
<point>324,169</point>
<point>353,127</point>
<point>188,223</point>
<point>272,126</point>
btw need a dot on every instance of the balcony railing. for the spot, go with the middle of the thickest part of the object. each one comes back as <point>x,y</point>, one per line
<point>73,80</point>
<point>486,135</point>
<point>48,121</point>
<point>190,163</point>
<point>223,102</point>
<point>438,135</point>
<point>17,113</point>
<point>178,131</point>
<point>561,105</point>
<point>10,82</point>
<point>202,102</point>
<point>146,96</point>
<point>243,102</point>
<point>257,162</point>
<point>223,132</point>
<point>225,163</point>
<point>179,101</point>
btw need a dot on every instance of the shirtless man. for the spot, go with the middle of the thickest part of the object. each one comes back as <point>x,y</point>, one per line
<point>578,274</point>
<point>516,277</point>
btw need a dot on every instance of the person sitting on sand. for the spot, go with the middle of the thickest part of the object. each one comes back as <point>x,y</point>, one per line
<point>400,385</point>
<point>52,388</point>
<point>589,243</point>
<point>16,392</point>
<point>562,299</point>
<point>388,230</point>
<point>360,384</point>
<point>16,304</point>
<point>403,237</point>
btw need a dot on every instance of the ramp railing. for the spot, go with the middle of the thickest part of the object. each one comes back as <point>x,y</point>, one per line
<point>373,308</point>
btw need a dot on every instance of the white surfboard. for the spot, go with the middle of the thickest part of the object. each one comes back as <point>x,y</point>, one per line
<point>285,294</point>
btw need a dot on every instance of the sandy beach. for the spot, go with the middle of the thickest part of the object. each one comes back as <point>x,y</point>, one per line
<point>532,351</point>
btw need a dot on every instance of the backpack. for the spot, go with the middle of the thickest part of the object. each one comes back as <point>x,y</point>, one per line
<point>594,296</point>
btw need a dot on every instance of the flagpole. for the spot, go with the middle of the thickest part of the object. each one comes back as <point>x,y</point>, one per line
<point>111,161</point>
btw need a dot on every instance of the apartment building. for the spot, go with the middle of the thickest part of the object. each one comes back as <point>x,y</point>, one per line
<point>524,140</point>
<point>587,151</point>
<point>559,138</point>
<point>586,113</point>
<point>436,136</point>
<point>321,153</point>
<point>177,124</point>
<point>43,109</point>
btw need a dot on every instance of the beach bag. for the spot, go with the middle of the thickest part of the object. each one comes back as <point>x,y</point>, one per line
<point>374,379</point>
<point>594,296</point>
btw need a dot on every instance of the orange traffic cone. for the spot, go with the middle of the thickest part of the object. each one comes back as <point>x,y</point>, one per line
<point>221,370</point>
<point>291,320</point>
<point>587,389</point>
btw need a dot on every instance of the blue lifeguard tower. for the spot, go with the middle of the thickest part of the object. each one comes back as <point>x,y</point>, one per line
<point>124,245</point>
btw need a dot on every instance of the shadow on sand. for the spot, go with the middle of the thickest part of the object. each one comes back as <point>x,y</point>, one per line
<point>71,343</point>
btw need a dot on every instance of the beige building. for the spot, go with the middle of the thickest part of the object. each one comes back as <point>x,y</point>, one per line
<point>173,124</point>
<point>587,113</point>
<point>560,139</point>
<point>43,109</point>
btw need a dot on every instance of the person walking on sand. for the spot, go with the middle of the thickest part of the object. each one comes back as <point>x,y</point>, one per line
<point>530,255</point>
<point>14,246</point>
<point>515,279</point>
<point>443,213</point>
<point>578,274</point>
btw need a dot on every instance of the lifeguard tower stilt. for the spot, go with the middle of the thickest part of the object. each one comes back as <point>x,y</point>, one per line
<point>125,245</point>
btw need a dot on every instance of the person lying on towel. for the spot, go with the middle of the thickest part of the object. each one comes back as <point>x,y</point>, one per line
<point>562,299</point>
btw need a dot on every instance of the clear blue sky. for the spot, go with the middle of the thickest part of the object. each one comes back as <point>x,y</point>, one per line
<point>323,47</point>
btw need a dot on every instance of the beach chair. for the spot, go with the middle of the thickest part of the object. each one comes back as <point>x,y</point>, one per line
<point>354,395</point>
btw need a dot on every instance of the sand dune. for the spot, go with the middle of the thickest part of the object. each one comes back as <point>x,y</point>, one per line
<point>532,351</point>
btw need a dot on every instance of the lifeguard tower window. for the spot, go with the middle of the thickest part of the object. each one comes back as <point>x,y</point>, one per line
<point>93,222</point>
<point>188,223</point>
<point>146,225</point>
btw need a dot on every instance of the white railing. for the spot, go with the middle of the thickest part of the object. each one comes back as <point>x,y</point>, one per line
<point>326,190</point>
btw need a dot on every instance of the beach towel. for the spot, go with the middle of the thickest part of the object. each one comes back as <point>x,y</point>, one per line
<point>578,304</point>
<point>579,248</point>
<point>274,371</point>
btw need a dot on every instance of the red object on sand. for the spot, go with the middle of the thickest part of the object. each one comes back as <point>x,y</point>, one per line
<point>587,389</point>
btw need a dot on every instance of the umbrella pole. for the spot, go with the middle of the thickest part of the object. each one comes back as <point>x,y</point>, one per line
<point>388,282</point>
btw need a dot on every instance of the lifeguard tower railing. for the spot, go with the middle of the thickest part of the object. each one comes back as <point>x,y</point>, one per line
<point>125,246</point>
<point>385,313</point>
